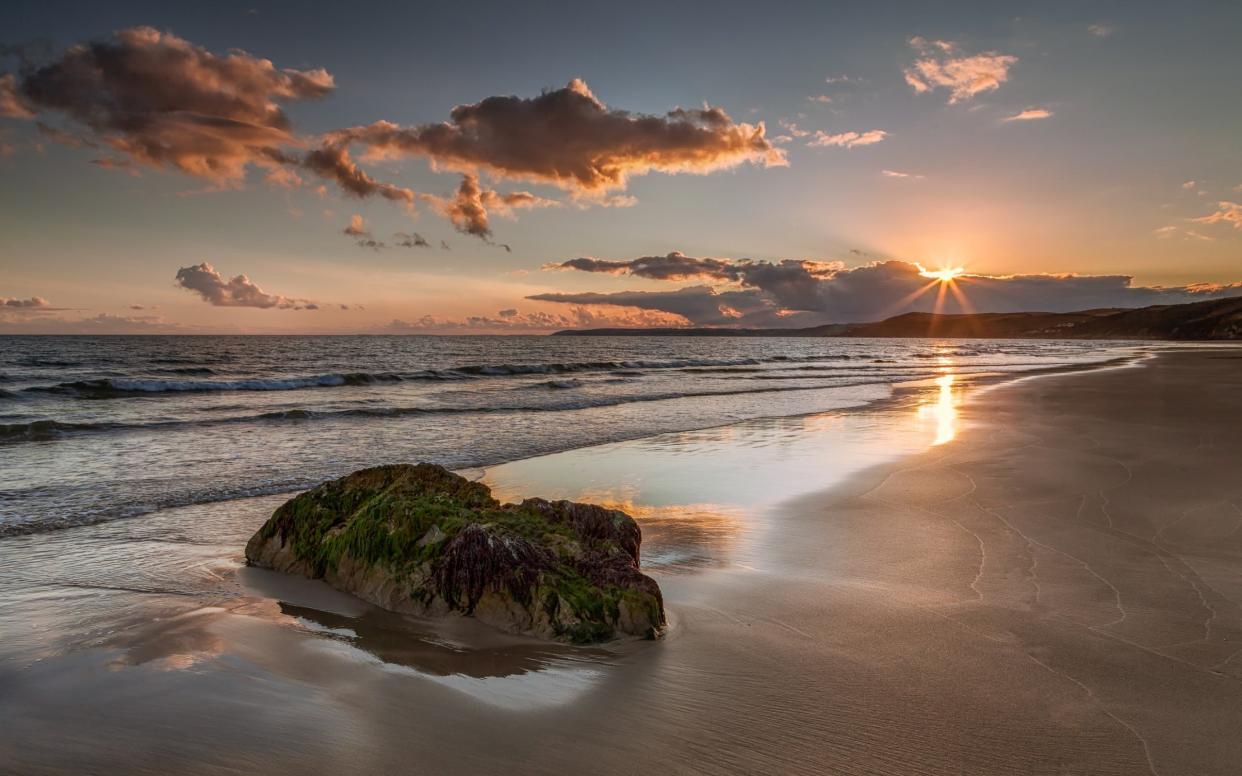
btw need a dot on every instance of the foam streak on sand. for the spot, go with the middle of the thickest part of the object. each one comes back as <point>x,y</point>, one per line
<point>1053,587</point>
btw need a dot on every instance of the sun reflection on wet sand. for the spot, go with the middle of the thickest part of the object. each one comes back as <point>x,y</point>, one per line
<point>942,409</point>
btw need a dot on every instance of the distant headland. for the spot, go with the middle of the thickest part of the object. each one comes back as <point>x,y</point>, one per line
<point>1218,319</point>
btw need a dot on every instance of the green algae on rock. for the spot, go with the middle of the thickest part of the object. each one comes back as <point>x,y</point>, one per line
<point>420,539</point>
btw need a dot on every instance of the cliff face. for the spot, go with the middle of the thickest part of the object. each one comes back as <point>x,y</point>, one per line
<point>422,540</point>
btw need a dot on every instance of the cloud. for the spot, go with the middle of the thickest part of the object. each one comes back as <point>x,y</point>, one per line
<point>1226,213</point>
<point>103,323</point>
<point>822,99</point>
<point>11,103</point>
<point>334,163</point>
<point>902,175</point>
<point>154,99</point>
<point>1100,30</point>
<point>847,139</point>
<point>1171,231</point>
<point>1030,114</point>
<point>511,321</point>
<point>942,65</point>
<point>33,303</point>
<point>468,209</point>
<point>800,292</point>
<point>239,291</point>
<point>411,240</point>
<point>569,138</point>
<point>357,228</point>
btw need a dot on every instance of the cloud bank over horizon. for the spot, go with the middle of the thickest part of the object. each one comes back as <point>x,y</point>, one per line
<point>796,292</point>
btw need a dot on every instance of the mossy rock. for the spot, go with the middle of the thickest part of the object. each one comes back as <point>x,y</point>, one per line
<point>421,539</point>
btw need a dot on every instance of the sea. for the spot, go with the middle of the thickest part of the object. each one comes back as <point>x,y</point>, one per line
<point>100,428</point>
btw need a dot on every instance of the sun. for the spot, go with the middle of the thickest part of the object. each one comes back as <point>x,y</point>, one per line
<point>944,275</point>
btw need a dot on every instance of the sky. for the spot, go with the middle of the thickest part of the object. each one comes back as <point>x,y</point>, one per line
<point>526,167</point>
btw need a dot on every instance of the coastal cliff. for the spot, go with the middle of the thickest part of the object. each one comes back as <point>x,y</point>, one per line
<point>422,540</point>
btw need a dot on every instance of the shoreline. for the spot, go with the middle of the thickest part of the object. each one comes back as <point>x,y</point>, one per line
<point>823,630</point>
<point>899,392</point>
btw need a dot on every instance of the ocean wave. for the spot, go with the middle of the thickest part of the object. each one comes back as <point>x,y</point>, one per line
<point>47,430</point>
<point>118,387</point>
<point>43,430</point>
<point>187,370</point>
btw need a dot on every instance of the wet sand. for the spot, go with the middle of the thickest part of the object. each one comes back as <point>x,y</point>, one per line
<point>1054,586</point>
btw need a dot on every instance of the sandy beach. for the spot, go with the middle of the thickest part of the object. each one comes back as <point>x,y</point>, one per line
<point>1038,577</point>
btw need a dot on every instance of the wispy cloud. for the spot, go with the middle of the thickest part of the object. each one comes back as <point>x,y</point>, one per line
<point>822,99</point>
<point>942,65</point>
<point>847,139</point>
<point>1172,230</point>
<point>902,175</point>
<point>411,240</point>
<point>1226,213</point>
<point>1100,30</point>
<point>1030,114</point>
<point>512,320</point>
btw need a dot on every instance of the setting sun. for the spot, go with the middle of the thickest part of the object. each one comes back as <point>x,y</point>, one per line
<point>944,275</point>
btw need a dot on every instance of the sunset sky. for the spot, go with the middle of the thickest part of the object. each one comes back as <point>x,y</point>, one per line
<point>504,167</point>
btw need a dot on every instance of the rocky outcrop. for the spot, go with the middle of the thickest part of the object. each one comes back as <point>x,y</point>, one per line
<point>423,540</point>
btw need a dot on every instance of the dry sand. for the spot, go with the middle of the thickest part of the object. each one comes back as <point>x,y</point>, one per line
<point>1055,589</point>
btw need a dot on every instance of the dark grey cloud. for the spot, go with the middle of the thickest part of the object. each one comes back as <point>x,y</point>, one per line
<point>411,240</point>
<point>810,292</point>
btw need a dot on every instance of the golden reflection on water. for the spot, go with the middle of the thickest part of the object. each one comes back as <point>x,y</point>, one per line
<point>942,409</point>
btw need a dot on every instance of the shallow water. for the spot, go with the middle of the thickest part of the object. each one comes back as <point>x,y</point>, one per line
<point>98,428</point>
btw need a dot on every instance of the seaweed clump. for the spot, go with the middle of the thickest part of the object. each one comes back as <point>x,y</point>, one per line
<point>420,539</point>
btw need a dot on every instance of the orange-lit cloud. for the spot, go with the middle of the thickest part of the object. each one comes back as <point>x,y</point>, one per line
<point>1226,213</point>
<point>33,303</point>
<point>238,291</point>
<point>157,100</point>
<point>902,175</point>
<point>941,65</point>
<point>569,138</point>
<point>847,139</point>
<point>1030,114</point>
<point>468,210</point>
<point>511,320</point>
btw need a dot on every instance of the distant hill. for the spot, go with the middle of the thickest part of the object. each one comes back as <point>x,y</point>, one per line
<point>1217,319</point>
<point>827,330</point>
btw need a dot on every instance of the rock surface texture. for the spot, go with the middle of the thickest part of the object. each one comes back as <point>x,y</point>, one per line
<point>422,540</point>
